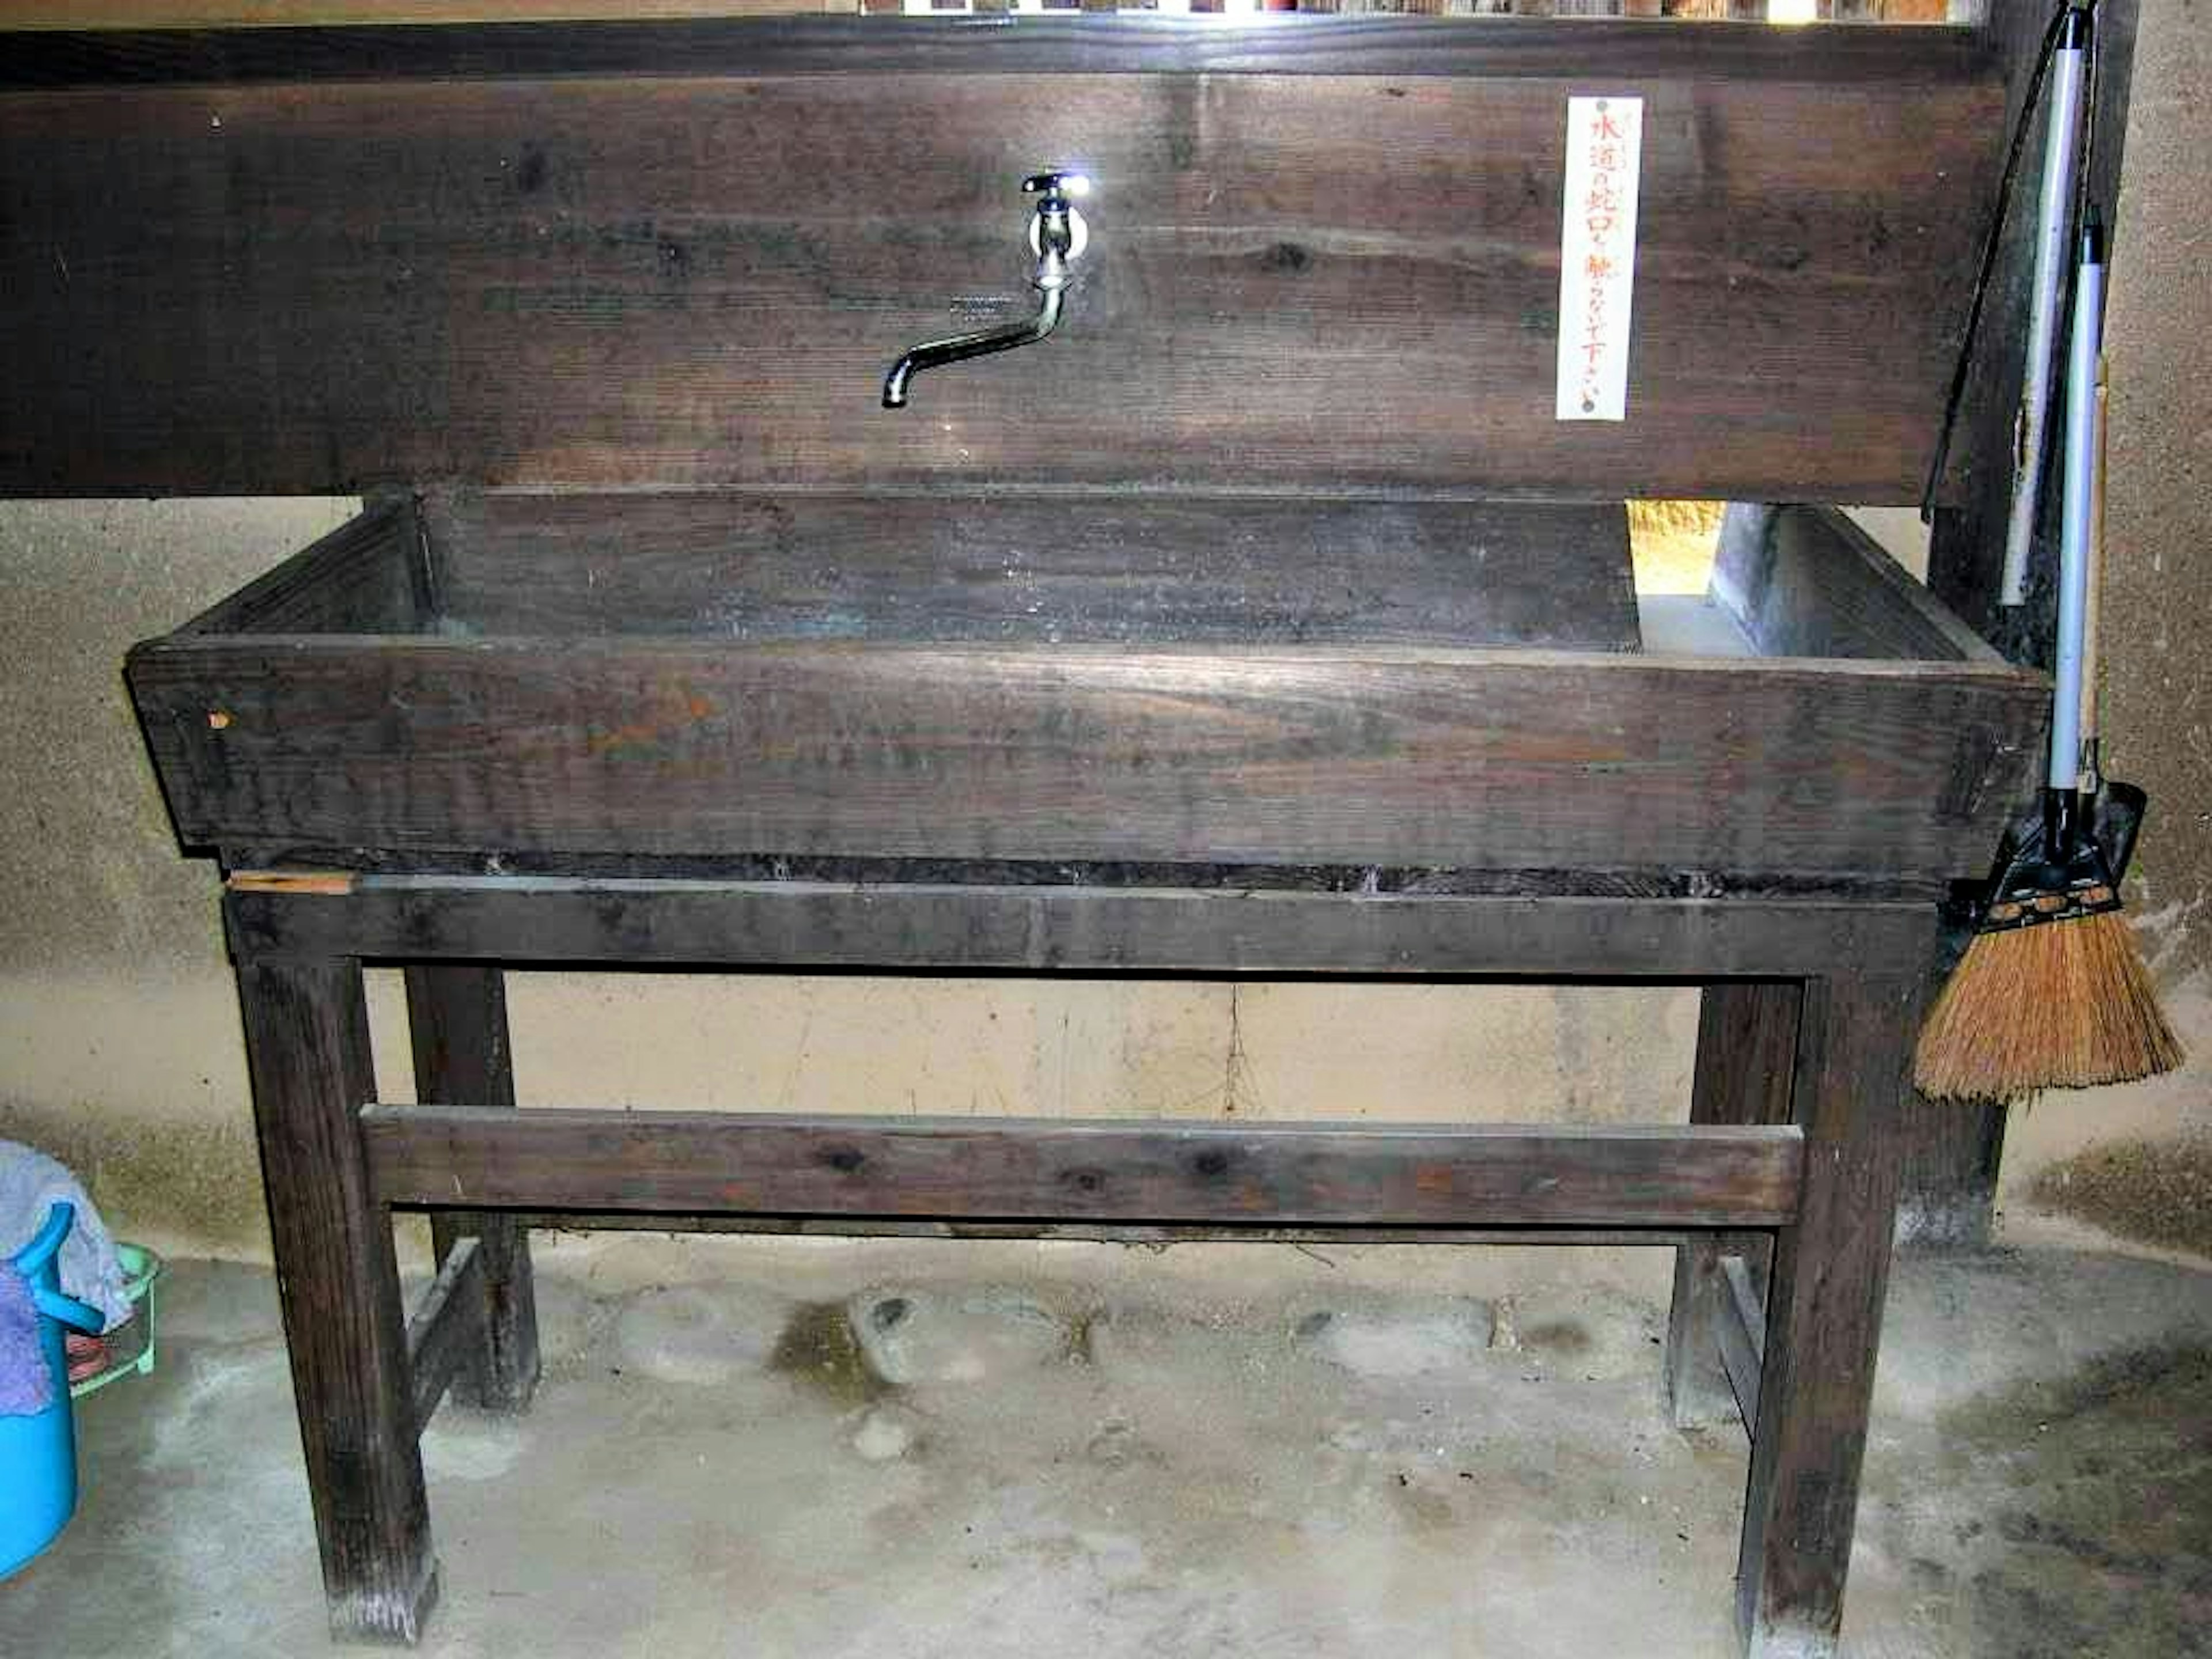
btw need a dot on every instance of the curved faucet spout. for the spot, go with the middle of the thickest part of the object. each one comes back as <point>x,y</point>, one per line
<point>1057,234</point>
<point>935,353</point>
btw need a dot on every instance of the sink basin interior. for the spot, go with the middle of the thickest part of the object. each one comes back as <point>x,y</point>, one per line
<point>1033,568</point>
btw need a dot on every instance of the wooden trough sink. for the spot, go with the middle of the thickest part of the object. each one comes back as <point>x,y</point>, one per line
<point>1439,684</point>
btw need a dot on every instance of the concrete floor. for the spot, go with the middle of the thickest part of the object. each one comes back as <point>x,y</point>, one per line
<point>1210,1450</point>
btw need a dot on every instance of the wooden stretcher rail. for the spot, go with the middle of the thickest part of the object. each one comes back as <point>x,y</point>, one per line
<point>446,1330</point>
<point>953,928</point>
<point>1741,1328</point>
<point>492,1158</point>
<point>1150,1234</point>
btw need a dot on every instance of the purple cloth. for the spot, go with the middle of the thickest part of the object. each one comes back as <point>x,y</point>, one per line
<point>31,1184</point>
<point>26,1383</point>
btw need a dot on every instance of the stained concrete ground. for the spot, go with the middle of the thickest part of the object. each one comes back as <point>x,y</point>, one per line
<point>769,1448</point>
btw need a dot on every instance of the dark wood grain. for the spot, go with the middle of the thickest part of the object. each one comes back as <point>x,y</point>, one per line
<point>367,576</point>
<point>1824,1313</point>
<point>1057,1169</point>
<point>1806,581</point>
<point>1082,568</point>
<point>336,868</point>
<point>307,1051</point>
<point>1951,1154</point>
<point>798,925</point>
<point>1506,759</point>
<point>1394,47</point>
<point>457,1028</point>
<point>1747,1050</point>
<point>446,1334</point>
<point>1345,279</point>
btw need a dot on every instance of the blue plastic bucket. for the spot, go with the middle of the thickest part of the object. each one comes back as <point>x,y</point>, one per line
<point>38,1452</point>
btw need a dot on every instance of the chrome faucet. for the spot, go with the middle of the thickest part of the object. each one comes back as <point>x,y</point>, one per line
<point>1057,234</point>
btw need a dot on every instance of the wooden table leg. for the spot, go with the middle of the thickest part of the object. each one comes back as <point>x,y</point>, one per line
<point>457,1023</point>
<point>1823,1316</point>
<point>307,1048</point>
<point>1747,1045</point>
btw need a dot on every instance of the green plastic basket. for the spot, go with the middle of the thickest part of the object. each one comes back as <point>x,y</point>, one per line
<point>129,1344</point>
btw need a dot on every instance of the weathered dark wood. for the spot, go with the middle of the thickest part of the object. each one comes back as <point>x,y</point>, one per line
<point>1105,1233</point>
<point>1081,567</point>
<point>337,869</point>
<point>367,576</point>
<point>1949,1158</point>
<point>307,1050</point>
<point>1966,556</point>
<point>1345,1173</point>
<point>445,1335</point>
<point>1824,1313</point>
<point>1746,1048</point>
<point>1031,45</point>
<point>1741,1331</point>
<point>1504,759</point>
<point>798,926</point>
<point>1806,581</point>
<point>457,1026</point>
<point>1948,1152</point>
<point>1341,279</point>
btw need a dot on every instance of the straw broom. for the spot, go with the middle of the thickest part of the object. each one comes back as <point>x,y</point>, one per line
<point>2053,992</point>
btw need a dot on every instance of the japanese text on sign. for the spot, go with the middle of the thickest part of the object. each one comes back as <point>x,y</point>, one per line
<point>1597,255</point>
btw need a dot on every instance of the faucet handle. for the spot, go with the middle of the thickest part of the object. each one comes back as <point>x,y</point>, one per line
<point>1057,234</point>
<point>1069,185</point>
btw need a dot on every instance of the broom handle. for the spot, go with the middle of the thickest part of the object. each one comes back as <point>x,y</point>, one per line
<point>2053,247</point>
<point>2094,601</point>
<point>2074,512</point>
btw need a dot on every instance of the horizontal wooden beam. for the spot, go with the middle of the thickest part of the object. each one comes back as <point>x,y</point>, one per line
<point>953,928</point>
<point>1590,49</point>
<point>446,1329</point>
<point>1504,759</point>
<point>1152,1235</point>
<point>952,1168</point>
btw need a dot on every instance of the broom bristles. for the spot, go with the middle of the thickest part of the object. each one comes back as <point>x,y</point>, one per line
<point>2060,1004</point>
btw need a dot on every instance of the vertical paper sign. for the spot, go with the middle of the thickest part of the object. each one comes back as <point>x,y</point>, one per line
<point>1597,255</point>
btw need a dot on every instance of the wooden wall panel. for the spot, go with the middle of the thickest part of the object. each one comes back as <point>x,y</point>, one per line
<point>1348,277</point>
